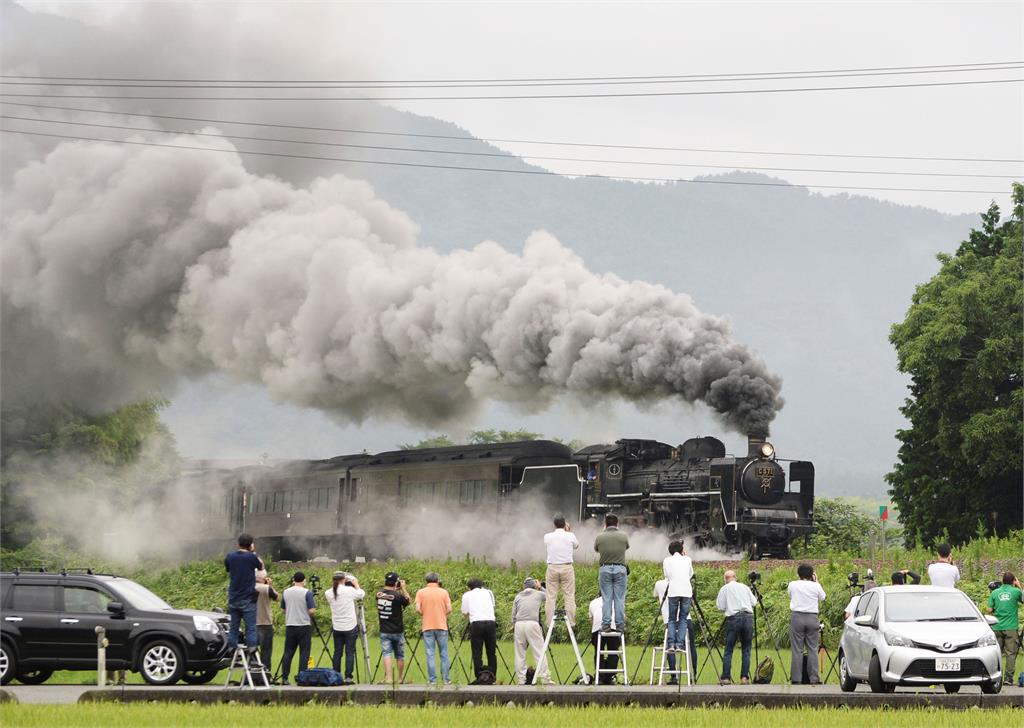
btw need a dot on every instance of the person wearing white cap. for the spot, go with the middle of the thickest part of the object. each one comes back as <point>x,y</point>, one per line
<point>342,598</point>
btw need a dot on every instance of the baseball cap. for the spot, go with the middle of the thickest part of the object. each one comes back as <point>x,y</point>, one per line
<point>528,582</point>
<point>391,578</point>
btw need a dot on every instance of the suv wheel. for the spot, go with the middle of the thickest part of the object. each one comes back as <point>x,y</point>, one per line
<point>162,663</point>
<point>846,683</point>
<point>878,685</point>
<point>8,664</point>
<point>35,677</point>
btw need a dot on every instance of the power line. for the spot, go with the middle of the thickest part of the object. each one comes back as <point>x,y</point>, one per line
<point>505,141</point>
<point>534,172</point>
<point>497,97</point>
<point>503,155</point>
<point>505,80</point>
<point>282,85</point>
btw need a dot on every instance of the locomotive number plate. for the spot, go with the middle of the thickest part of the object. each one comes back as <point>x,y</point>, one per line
<point>766,473</point>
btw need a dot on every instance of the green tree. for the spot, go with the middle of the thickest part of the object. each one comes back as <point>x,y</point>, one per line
<point>840,526</point>
<point>428,442</point>
<point>486,437</point>
<point>960,464</point>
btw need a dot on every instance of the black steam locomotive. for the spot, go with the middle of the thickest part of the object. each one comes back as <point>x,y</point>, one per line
<point>357,504</point>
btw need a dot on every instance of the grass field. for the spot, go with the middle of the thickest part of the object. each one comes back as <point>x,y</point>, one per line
<point>187,716</point>
<point>563,662</point>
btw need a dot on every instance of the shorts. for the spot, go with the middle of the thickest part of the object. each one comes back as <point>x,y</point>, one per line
<point>392,644</point>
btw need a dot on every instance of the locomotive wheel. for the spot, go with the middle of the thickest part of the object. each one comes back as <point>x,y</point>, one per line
<point>755,551</point>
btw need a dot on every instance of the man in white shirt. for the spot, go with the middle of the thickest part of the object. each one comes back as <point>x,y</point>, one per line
<point>660,587</point>
<point>737,602</point>
<point>478,606</point>
<point>850,608</point>
<point>678,568</point>
<point>943,572</point>
<point>608,642</point>
<point>805,596</point>
<point>342,598</point>
<point>560,576</point>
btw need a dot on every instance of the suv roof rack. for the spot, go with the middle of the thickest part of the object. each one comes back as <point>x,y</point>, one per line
<point>28,569</point>
<point>77,569</point>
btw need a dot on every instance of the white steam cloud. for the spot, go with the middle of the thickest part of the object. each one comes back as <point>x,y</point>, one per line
<point>126,268</point>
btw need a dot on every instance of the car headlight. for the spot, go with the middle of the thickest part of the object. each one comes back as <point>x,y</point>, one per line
<point>988,640</point>
<point>894,640</point>
<point>205,624</point>
<point>767,450</point>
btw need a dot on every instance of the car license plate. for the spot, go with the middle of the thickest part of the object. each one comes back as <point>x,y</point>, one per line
<point>948,664</point>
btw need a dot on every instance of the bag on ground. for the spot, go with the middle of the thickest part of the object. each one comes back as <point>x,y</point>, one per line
<point>765,671</point>
<point>318,677</point>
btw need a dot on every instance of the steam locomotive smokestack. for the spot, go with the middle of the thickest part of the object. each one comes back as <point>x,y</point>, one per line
<point>754,442</point>
<point>128,268</point>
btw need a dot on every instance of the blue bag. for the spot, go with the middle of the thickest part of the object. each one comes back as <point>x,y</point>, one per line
<point>318,677</point>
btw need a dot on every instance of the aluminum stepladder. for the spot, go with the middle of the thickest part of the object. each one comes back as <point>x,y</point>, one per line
<point>560,617</point>
<point>662,666</point>
<point>240,659</point>
<point>604,651</point>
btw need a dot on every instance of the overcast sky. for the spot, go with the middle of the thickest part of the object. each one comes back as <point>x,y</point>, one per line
<point>501,40</point>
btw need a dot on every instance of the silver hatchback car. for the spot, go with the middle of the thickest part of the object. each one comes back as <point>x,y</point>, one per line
<point>918,635</point>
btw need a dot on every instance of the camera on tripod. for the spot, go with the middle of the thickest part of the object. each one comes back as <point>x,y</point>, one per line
<point>753,577</point>
<point>853,579</point>
<point>993,585</point>
<point>314,582</point>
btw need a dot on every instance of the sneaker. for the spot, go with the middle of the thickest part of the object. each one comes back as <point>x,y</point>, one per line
<point>744,681</point>
<point>447,682</point>
<point>606,629</point>
<point>348,681</point>
<point>284,681</point>
<point>673,681</point>
<point>725,681</point>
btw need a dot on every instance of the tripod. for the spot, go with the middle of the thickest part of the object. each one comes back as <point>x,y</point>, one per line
<point>705,629</point>
<point>363,642</point>
<point>497,652</point>
<point>323,641</point>
<point>560,617</point>
<point>766,616</point>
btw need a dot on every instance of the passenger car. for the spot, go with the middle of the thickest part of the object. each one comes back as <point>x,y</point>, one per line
<point>50,619</point>
<point>918,635</point>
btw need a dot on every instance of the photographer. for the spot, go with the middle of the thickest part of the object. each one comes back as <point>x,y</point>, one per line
<point>805,597</point>
<point>943,572</point>
<point>391,603</point>
<point>660,587</point>
<point>242,566</point>
<point>478,605</point>
<point>611,643</point>
<point>678,569</point>
<point>299,607</point>
<point>434,605</point>
<point>899,578</point>
<point>612,574</point>
<point>527,631</point>
<point>342,598</point>
<point>737,602</point>
<point>560,575</point>
<point>1004,602</point>
<point>265,618</point>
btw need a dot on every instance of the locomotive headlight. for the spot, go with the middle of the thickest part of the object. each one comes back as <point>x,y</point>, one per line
<point>767,450</point>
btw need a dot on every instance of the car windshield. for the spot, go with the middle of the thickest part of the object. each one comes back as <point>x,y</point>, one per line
<point>138,596</point>
<point>916,606</point>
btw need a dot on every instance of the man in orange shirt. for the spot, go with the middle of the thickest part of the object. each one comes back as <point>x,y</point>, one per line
<point>434,605</point>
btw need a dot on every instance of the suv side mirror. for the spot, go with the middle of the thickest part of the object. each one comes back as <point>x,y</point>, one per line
<point>116,609</point>
<point>864,620</point>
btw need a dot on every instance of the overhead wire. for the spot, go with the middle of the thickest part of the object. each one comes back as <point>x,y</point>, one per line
<point>636,147</point>
<point>502,155</point>
<point>534,172</point>
<point>500,97</point>
<point>539,79</point>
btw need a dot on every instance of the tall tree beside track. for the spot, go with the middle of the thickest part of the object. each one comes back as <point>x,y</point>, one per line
<point>961,343</point>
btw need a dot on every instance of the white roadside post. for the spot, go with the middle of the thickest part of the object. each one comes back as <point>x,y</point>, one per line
<point>101,656</point>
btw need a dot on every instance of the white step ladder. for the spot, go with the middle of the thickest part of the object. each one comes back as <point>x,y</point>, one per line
<point>560,617</point>
<point>604,651</point>
<point>662,667</point>
<point>241,660</point>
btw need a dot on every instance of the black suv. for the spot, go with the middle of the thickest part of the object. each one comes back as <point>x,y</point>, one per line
<point>50,619</point>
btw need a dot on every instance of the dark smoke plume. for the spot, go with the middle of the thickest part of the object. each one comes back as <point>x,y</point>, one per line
<point>127,268</point>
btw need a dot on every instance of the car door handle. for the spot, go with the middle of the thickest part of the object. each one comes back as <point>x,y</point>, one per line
<point>14,619</point>
<point>69,621</point>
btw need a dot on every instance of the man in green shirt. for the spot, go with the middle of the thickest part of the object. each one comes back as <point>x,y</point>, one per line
<point>612,544</point>
<point>1003,602</point>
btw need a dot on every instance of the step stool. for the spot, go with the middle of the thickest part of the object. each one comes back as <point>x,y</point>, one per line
<point>240,660</point>
<point>604,651</point>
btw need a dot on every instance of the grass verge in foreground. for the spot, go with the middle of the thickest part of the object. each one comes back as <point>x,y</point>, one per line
<point>186,716</point>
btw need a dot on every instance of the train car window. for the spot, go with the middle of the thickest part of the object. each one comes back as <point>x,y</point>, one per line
<point>289,497</point>
<point>354,491</point>
<point>278,501</point>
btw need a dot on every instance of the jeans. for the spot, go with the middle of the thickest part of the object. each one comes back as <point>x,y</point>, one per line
<point>671,657</point>
<point>483,634</point>
<point>678,611</point>
<point>612,579</point>
<point>803,632</point>
<point>242,611</point>
<point>265,635</point>
<point>296,637</point>
<point>738,625</point>
<point>436,639</point>
<point>345,641</point>
<point>392,643</point>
